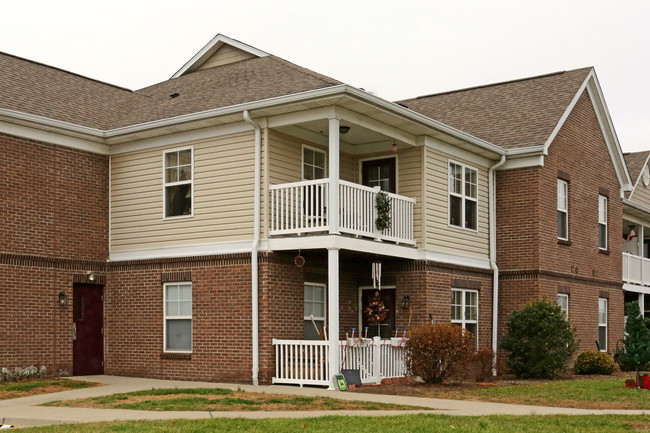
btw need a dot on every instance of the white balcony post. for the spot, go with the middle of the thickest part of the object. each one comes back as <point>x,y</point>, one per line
<point>333,202</point>
<point>333,313</point>
<point>639,249</point>
<point>375,213</point>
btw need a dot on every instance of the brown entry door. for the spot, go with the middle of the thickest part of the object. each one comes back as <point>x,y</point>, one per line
<point>379,172</point>
<point>88,338</point>
<point>386,328</point>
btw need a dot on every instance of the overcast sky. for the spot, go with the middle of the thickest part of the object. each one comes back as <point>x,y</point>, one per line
<point>395,49</point>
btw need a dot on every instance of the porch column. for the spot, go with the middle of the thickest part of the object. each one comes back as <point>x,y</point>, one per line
<point>333,202</point>
<point>333,313</point>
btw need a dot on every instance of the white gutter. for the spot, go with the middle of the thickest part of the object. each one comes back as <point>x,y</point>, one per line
<point>254,247</point>
<point>493,257</point>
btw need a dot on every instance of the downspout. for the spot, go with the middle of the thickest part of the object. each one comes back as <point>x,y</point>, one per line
<point>254,247</point>
<point>493,258</point>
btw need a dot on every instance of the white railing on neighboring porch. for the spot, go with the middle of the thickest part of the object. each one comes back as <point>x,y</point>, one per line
<point>636,269</point>
<point>305,362</point>
<point>301,207</point>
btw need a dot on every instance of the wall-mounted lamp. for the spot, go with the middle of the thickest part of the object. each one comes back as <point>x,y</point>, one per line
<point>406,302</point>
<point>62,298</point>
<point>344,129</point>
<point>394,147</point>
<point>91,276</point>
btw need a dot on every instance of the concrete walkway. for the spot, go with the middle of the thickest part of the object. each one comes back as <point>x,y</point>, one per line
<point>26,412</point>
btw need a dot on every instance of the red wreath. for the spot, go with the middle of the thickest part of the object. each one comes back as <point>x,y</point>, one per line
<point>375,311</point>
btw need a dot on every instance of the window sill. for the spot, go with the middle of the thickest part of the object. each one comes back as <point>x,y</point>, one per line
<point>564,242</point>
<point>176,355</point>
<point>462,228</point>
<point>606,252</point>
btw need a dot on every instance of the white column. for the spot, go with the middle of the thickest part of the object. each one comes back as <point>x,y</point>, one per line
<point>333,313</point>
<point>333,202</point>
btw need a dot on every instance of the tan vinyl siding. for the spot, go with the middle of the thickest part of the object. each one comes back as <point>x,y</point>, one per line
<point>223,196</point>
<point>439,235</point>
<point>224,55</point>
<point>641,194</point>
<point>409,182</point>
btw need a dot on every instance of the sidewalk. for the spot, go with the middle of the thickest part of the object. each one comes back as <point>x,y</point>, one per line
<point>26,412</point>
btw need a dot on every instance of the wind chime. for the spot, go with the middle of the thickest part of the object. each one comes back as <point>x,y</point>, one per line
<point>376,275</point>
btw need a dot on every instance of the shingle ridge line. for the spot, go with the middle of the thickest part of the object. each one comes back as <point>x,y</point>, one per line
<point>302,70</point>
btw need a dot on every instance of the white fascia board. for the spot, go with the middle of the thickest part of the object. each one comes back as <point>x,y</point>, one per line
<point>530,150</point>
<point>455,152</point>
<point>207,249</point>
<point>375,125</point>
<point>456,259</point>
<point>636,206</point>
<point>636,183</point>
<point>636,289</point>
<point>342,243</point>
<point>530,161</point>
<point>199,58</point>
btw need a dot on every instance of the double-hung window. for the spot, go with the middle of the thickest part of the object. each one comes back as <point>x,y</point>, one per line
<point>464,310</point>
<point>602,324</point>
<point>463,196</point>
<point>178,317</point>
<point>313,163</point>
<point>563,302</point>
<point>602,222</point>
<point>315,310</point>
<point>178,179</point>
<point>562,209</point>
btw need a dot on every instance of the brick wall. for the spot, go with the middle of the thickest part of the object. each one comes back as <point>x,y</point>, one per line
<point>532,262</point>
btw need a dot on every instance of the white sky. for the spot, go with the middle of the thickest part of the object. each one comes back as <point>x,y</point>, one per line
<point>395,49</point>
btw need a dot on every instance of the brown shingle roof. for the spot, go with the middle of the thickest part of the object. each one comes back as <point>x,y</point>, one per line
<point>635,162</point>
<point>513,114</point>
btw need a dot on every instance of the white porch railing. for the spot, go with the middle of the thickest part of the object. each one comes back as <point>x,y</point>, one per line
<point>636,269</point>
<point>305,362</point>
<point>301,207</point>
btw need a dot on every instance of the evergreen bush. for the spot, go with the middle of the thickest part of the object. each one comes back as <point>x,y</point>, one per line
<point>636,344</point>
<point>540,341</point>
<point>594,362</point>
<point>433,352</point>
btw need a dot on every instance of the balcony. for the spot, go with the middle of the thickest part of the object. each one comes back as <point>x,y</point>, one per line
<point>301,208</point>
<point>636,269</point>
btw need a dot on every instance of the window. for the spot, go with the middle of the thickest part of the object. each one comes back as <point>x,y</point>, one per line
<point>315,310</point>
<point>313,163</point>
<point>563,302</point>
<point>562,210</point>
<point>178,317</point>
<point>179,172</point>
<point>464,310</point>
<point>602,324</point>
<point>602,222</point>
<point>463,196</point>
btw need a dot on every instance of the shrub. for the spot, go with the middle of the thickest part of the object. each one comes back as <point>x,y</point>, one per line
<point>540,341</point>
<point>18,374</point>
<point>434,351</point>
<point>636,352</point>
<point>594,362</point>
<point>483,359</point>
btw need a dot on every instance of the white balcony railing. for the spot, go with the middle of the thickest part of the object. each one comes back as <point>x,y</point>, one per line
<point>302,207</point>
<point>305,362</point>
<point>636,269</point>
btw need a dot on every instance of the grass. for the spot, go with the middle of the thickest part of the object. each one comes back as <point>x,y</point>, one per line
<point>404,423</point>
<point>601,393</point>
<point>40,386</point>
<point>218,399</point>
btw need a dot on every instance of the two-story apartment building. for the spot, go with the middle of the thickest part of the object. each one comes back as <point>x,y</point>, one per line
<point>180,230</point>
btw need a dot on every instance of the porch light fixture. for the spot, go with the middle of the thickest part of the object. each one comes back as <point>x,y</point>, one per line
<point>62,299</point>
<point>406,302</point>
<point>91,276</point>
<point>394,147</point>
<point>344,129</point>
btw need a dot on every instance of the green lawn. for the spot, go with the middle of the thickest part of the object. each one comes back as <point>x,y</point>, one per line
<point>404,423</point>
<point>40,386</point>
<point>219,399</point>
<point>601,393</point>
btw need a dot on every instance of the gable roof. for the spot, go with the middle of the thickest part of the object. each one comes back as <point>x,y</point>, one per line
<point>635,162</point>
<point>513,114</point>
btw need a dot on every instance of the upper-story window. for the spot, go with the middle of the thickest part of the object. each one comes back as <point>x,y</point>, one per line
<point>463,196</point>
<point>313,163</point>
<point>602,222</point>
<point>178,180</point>
<point>562,209</point>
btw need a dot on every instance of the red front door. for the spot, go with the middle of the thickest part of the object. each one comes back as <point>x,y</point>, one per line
<point>88,336</point>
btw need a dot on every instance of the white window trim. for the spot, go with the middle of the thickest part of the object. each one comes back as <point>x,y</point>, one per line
<point>302,159</point>
<point>462,322</point>
<point>601,324</point>
<point>566,205</point>
<point>176,283</point>
<point>372,158</point>
<point>462,196</point>
<point>603,199</point>
<point>324,286</point>
<point>165,184</point>
<point>565,296</point>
